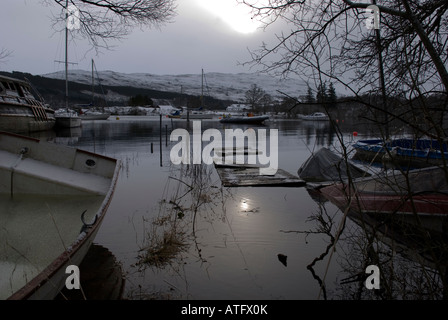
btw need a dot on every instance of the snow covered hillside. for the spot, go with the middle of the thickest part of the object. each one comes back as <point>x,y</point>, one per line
<point>221,86</point>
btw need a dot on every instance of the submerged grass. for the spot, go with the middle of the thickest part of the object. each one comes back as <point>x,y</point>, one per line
<point>171,231</point>
<point>160,253</point>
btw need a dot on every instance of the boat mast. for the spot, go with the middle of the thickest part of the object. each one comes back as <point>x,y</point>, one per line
<point>202,89</point>
<point>93,84</point>
<point>66,54</point>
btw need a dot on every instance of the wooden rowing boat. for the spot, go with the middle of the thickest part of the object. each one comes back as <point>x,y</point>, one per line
<point>54,199</point>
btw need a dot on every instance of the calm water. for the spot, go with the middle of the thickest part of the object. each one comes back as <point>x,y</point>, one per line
<point>178,234</point>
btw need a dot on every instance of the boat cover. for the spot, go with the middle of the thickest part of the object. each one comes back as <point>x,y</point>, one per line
<point>325,165</point>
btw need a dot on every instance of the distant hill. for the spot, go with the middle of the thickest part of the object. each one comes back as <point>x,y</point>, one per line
<point>219,89</point>
<point>221,86</point>
<point>53,92</point>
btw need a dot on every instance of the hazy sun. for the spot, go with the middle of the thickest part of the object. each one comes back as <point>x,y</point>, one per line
<point>237,16</point>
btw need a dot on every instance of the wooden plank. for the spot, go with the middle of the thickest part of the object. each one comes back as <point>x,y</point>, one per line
<point>249,176</point>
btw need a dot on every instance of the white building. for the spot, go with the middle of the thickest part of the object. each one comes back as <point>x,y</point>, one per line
<point>167,109</point>
<point>238,108</point>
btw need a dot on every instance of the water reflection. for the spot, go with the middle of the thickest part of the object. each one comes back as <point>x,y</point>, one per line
<point>410,269</point>
<point>412,260</point>
<point>101,277</point>
<point>244,205</point>
<point>320,132</point>
<point>180,235</point>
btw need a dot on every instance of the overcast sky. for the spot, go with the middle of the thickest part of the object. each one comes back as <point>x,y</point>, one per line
<point>204,35</point>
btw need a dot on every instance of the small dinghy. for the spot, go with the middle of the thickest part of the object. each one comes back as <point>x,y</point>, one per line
<point>53,199</point>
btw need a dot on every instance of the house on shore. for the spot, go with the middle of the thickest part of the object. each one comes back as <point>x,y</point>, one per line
<point>239,108</point>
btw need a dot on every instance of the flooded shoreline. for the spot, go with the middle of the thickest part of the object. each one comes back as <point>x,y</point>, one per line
<point>177,233</point>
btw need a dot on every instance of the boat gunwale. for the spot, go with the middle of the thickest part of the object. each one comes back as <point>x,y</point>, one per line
<point>7,133</point>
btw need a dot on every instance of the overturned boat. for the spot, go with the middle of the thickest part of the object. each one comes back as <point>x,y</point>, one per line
<point>53,199</point>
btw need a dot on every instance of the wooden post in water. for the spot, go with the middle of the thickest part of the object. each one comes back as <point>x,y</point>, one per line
<point>160,138</point>
<point>166,135</point>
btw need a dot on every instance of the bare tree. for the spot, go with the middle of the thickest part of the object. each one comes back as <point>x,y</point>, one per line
<point>399,69</point>
<point>335,25</point>
<point>257,97</point>
<point>329,40</point>
<point>104,20</point>
<point>4,54</point>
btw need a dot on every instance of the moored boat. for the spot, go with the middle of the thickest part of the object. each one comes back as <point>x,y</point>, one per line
<point>417,196</point>
<point>316,116</point>
<point>20,111</point>
<point>92,112</point>
<point>193,115</point>
<point>417,153</point>
<point>326,167</point>
<point>244,119</point>
<point>67,119</point>
<point>94,115</point>
<point>174,115</point>
<point>54,199</point>
<point>190,114</point>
